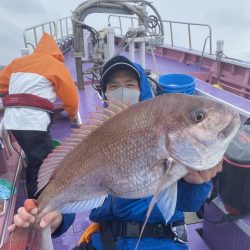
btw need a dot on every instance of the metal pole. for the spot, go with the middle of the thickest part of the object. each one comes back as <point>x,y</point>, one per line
<point>78,47</point>
<point>210,39</point>
<point>142,48</point>
<point>189,37</point>
<point>132,51</point>
<point>24,39</point>
<point>61,29</point>
<point>111,41</point>
<point>50,30</point>
<point>35,36</point>
<point>67,27</point>
<point>120,24</point>
<point>171,33</point>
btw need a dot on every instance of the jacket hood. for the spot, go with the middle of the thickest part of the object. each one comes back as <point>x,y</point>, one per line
<point>47,45</point>
<point>145,90</point>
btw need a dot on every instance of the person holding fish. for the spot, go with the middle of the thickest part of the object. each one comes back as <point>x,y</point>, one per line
<point>120,217</point>
<point>30,85</point>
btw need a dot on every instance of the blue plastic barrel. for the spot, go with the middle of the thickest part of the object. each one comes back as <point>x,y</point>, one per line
<point>177,83</point>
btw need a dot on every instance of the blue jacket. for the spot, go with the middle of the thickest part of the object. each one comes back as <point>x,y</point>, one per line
<point>189,199</point>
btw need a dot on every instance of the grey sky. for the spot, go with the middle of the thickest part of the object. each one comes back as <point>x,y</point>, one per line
<point>230,21</point>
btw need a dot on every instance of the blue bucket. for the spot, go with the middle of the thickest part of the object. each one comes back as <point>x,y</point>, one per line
<point>177,83</point>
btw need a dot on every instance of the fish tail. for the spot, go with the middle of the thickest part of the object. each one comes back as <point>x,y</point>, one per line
<point>29,238</point>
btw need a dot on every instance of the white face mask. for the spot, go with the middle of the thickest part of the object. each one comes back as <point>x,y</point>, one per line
<point>125,94</point>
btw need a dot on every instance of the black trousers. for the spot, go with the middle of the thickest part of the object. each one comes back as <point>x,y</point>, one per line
<point>36,145</point>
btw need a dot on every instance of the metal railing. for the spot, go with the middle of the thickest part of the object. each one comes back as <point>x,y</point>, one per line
<point>209,36</point>
<point>49,27</point>
<point>64,27</point>
<point>189,32</point>
<point>59,30</point>
<point>120,21</point>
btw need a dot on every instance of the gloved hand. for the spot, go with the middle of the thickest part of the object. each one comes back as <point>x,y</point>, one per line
<point>199,177</point>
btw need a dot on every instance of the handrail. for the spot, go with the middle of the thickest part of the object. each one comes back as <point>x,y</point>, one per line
<point>51,31</point>
<point>203,51</point>
<point>189,32</point>
<point>171,29</point>
<point>69,30</point>
<point>121,16</point>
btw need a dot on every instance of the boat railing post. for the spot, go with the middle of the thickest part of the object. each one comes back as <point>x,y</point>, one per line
<point>132,22</point>
<point>35,36</point>
<point>143,51</point>
<point>171,34</point>
<point>110,42</point>
<point>50,29</point>
<point>25,39</point>
<point>189,37</point>
<point>43,28</point>
<point>67,27</point>
<point>219,54</point>
<point>132,51</point>
<point>120,22</point>
<point>210,40</point>
<point>61,29</point>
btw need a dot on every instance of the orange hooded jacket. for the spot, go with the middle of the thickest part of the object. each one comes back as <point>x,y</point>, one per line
<point>47,61</point>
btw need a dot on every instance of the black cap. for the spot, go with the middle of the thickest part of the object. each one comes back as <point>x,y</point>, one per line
<point>115,64</point>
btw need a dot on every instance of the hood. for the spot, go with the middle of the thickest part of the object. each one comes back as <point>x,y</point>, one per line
<point>47,45</point>
<point>145,90</point>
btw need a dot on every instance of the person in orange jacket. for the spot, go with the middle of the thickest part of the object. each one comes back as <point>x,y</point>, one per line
<point>30,85</point>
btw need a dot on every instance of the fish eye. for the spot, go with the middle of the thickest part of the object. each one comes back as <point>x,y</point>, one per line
<point>198,116</point>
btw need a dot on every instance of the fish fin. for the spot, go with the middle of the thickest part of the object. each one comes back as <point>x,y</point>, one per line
<point>99,116</point>
<point>58,155</point>
<point>93,121</point>
<point>168,164</point>
<point>85,205</point>
<point>31,238</point>
<point>167,201</point>
<point>54,159</point>
<point>114,107</point>
<point>117,105</point>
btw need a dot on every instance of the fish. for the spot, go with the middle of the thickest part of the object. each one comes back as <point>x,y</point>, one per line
<point>133,151</point>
